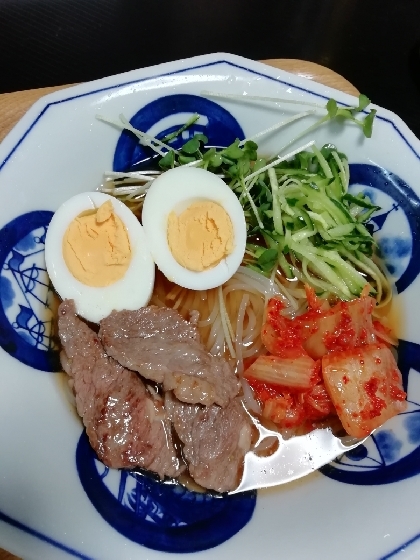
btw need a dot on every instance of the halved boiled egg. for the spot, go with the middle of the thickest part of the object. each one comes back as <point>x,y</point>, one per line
<point>97,254</point>
<point>195,226</point>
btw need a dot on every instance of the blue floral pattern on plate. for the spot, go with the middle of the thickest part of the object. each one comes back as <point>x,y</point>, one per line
<point>166,115</point>
<point>27,301</point>
<point>25,339</point>
<point>397,224</point>
<point>165,517</point>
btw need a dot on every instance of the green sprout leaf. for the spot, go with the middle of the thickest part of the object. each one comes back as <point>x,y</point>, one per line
<point>183,160</point>
<point>332,108</point>
<point>268,259</point>
<point>250,146</point>
<point>216,160</point>
<point>201,137</point>
<point>233,151</point>
<point>209,154</point>
<point>243,166</point>
<point>368,123</point>
<point>364,101</point>
<point>168,160</point>
<point>192,146</point>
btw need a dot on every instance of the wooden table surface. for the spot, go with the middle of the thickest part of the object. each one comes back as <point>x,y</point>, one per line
<point>14,105</point>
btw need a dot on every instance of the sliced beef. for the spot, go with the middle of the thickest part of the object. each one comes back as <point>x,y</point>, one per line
<point>126,426</point>
<point>215,440</point>
<point>160,345</point>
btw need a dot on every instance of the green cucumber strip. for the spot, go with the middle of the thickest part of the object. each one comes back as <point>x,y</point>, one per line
<point>322,162</point>
<point>277,221</point>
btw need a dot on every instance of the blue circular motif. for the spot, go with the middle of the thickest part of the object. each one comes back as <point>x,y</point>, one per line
<point>27,306</point>
<point>393,452</point>
<point>395,247</point>
<point>166,115</point>
<point>358,454</point>
<point>164,517</point>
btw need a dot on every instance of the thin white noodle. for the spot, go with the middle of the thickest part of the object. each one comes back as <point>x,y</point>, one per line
<point>249,331</point>
<point>386,338</point>
<point>227,318</point>
<point>287,293</point>
<point>259,282</point>
<point>212,340</point>
<point>157,301</point>
<point>210,319</point>
<point>249,399</point>
<point>297,294</point>
<point>179,300</point>
<point>302,308</point>
<point>240,286</point>
<point>255,349</point>
<point>259,287</point>
<point>239,330</point>
<point>265,285</point>
<point>219,344</point>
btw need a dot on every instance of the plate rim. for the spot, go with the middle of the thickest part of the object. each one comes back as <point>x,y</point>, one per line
<point>16,135</point>
<point>14,138</point>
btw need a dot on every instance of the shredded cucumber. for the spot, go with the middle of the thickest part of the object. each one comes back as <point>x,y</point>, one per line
<point>297,203</point>
<point>322,225</point>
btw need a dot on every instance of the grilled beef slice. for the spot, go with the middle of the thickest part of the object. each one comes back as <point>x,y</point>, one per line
<point>125,425</point>
<point>163,347</point>
<point>215,440</point>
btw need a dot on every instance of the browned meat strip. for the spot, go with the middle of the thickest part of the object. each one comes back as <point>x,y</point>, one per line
<point>125,425</point>
<point>215,441</point>
<point>162,346</point>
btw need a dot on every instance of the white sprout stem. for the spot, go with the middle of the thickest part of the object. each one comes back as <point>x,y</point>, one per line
<point>246,190</point>
<point>193,163</point>
<point>280,160</point>
<point>144,179</point>
<point>302,134</point>
<point>127,126</point>
<point>259,98</point>
<point>145,136</point>
<point>122,191</point>
<point>262,133</point>
<point>146,175</point>
<point>277,126</point>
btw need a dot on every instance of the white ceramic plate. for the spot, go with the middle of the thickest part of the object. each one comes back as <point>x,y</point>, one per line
<point>55,499</point>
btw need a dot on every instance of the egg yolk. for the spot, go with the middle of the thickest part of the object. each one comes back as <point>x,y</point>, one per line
<point>201,236</point>
<point>96,248</point>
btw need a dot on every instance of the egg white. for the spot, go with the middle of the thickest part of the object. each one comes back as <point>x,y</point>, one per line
<point>132,291</point>
<point>175,190</point>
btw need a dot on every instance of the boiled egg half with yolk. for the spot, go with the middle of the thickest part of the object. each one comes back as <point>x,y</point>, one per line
<point>97,254</point>
<point>196,227</point>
